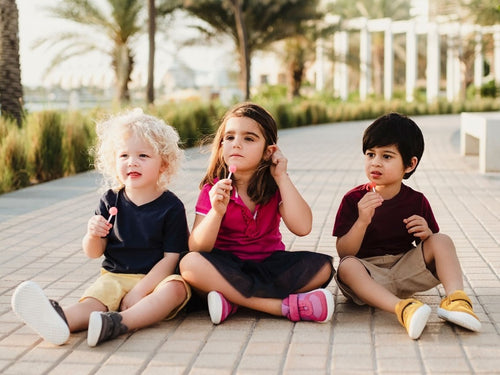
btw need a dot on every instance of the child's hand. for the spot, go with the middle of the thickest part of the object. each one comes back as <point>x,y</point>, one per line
<point>219,195</point>
<point>98,226</point>
<point>367,206</point>
<point>417,226</point>
<point>279,162</point>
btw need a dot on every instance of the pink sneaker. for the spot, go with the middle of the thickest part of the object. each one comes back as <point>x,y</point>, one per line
<point>316,305</point>
<point>219,307</point>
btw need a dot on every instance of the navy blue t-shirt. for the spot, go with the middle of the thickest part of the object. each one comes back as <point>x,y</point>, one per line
<point>387,233</point>
<point>142,234</point>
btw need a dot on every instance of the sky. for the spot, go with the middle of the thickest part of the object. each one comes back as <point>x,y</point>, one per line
<point>35,23</point>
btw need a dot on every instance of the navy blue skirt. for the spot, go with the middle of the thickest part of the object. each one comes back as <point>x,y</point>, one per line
<point>277,276</point>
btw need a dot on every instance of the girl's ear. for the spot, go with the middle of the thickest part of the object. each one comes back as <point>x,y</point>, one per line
<point>413,164</point>
<point>269,151</point>
<point>163,167</point>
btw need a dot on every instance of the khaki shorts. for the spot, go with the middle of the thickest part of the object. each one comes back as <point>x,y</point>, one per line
<point>110,288</point>
<point>402,274</point>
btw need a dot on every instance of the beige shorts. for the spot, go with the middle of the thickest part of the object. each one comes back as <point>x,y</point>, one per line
<point>110,288</point>
<point>402,274</point>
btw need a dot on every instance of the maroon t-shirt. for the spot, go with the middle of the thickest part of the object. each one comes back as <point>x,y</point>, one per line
<point>387,233</point>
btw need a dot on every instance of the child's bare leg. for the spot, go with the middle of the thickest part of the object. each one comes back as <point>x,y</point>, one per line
<point>203,276</point>
<point>155,306</point>
<point>354,274</point>
<point>456,307</point>
<point>78,314</point>
<point>412,314</point>
<point>440,250</point>
<point>151,309</point>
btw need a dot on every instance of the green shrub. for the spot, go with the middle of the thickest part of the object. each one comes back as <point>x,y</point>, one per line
<point>193,120</point>
<point>14,173</point>
<point>54,144</point>
<point>45,134</point>
<point>269,92</point>
<point>282,115</point>
<point>489,89</point>
<point>79,137</point>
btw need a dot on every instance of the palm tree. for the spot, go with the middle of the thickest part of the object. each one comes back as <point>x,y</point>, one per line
<point>11,89</point>
<point>164,8</point>
<point>300,50</point>
<point>117,26</point>
<point>253,25</point>
<point>296,52</point>
<point>150,88</point>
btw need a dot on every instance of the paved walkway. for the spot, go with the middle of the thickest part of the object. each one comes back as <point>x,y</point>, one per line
<point>40,238</point>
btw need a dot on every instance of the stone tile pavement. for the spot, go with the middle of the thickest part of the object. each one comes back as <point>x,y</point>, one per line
<point>40,238</point>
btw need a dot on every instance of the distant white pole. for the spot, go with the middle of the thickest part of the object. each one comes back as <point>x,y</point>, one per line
<point>320,65</point>
<point>341,81</point>
<point>450,67</point>
<point>433,69</point>
<point>365,62</point>
<point>411,61</point>
<point>388,62</point>
<point>496,53</point>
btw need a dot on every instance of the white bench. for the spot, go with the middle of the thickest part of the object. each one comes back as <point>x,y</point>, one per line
<point>480,135</point>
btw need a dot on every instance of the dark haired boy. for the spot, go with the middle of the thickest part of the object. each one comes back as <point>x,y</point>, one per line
<point>387,236</point>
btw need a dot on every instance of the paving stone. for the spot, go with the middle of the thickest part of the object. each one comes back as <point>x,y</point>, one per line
<point>39,241</point>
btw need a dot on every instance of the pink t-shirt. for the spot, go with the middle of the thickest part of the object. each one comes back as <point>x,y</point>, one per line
<point>247,235</point>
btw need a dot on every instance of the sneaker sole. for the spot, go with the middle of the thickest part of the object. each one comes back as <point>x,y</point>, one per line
<point>95,327</point>
<point>330,305</point>
<point>461,319</point>
<point>214,307</point>
<point>418,321</point>
<point>33,307</point>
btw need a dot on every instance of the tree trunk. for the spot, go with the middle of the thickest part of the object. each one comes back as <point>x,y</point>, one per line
<point>150,89</point>
<point>243,48</point>
<point>295,77</point>
<point>11,90</point>
<point>123,69</point>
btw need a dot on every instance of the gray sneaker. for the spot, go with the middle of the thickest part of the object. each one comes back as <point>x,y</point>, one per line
<point>41,314</point>
<point>104,326</point>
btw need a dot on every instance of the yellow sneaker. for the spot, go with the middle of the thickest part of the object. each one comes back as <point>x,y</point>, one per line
<point>413,315</point>
<point>457,309</point>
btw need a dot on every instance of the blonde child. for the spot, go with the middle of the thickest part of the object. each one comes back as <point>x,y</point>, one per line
<point>137,155</point>
<point>236,252</point>
<point>387,236</point>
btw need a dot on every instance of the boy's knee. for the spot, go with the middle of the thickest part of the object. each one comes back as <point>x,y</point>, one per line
<point>349,265</point>
<point>439,241</point>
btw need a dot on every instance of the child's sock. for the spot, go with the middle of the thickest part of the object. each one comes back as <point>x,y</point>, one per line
<point>285,308</point>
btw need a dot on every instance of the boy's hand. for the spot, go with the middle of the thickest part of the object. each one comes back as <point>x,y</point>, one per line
<point>98,226</point>
<point>219,195</point>
<point>418,226</point>
<point>367,206</point>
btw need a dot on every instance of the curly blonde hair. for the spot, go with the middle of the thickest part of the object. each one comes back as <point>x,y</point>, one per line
<point>162,137</point>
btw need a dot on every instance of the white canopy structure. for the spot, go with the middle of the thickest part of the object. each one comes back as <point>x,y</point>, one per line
<point>454,32</point>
